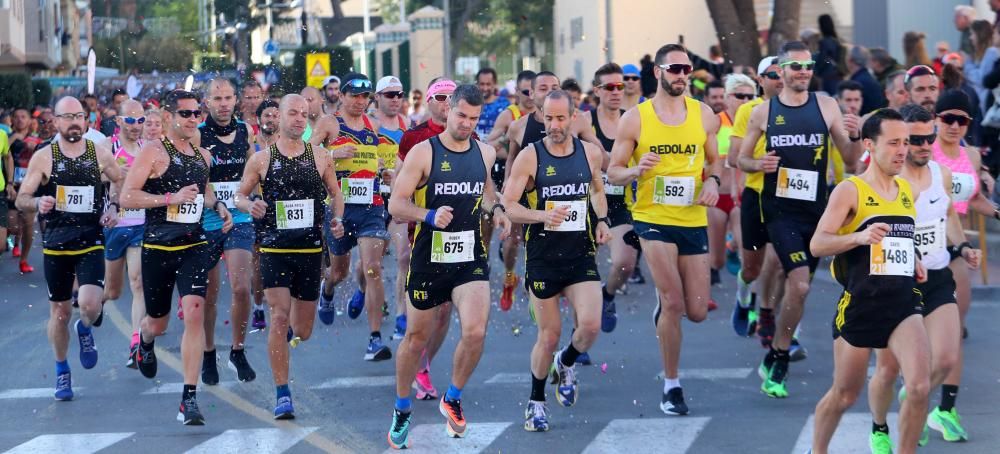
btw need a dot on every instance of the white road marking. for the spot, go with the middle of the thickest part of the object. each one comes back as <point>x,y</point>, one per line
<point>851,435</point>
<point>434,439</point>
<point>253,440</point>
<point>637,436</point>
<point>86,443</point>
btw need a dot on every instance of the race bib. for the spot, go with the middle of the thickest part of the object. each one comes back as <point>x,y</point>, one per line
<point>294,214</point>
<point>963,185</point>
<point>576,218</point>
<point>358,190</point>
<point>186,213</point>
<point>75,199</point>
<point>452,247</point>
<point>612,189</point>
<point>796,184</point>
<point>676,191</point>
<point>225,192</point>
<point>132,214</point>
<point>19,174</point>
<point>930,236</point>
<point>892,257</point>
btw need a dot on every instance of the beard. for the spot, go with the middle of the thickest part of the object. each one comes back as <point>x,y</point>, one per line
<point>557,135</point>
<point>268,129</point>
<point>460,136</point>
<point>673,88</point>
<point>73,135</point>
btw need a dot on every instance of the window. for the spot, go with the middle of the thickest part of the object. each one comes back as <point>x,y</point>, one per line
<point>575,31</point>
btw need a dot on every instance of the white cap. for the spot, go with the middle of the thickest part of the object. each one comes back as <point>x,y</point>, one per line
<point>388,82</point>
<point>765,63</point>
<point>330,79</point>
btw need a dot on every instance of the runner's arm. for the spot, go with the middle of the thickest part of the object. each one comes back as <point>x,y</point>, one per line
<point>711,124</point>
<point>111,171</point>
<point>733,157</point>
<point>755,129</point>
<point>415,169</point>
<point>329,174</point>
<point>250,180</point>
<point>596,157</point>
<point>850,150</point>
<point>585,132</point>
<point>839,210</point>
<point>626,140</point>
<point>498,135</point>
<point>132,195</point>
<point>513,146</point>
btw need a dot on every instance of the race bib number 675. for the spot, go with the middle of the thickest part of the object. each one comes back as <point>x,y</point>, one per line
<point>452,247</point>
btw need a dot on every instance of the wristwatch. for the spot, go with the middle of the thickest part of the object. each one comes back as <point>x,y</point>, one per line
<point>605,220</point>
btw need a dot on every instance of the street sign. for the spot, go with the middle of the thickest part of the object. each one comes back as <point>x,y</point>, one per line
<point>272,75</point>
<point>317,68</point>
<point>271,48</point>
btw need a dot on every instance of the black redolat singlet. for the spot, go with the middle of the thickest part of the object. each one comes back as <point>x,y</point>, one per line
<point>294,192</point>
<point>799,136</point>
<point>534,131</point>
<point>457,179</point>
<point>73,225</point>
<point>561,180</point>
<point>177,227</point>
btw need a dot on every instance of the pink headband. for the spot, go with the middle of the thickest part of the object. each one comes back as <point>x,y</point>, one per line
<point>443,85</point>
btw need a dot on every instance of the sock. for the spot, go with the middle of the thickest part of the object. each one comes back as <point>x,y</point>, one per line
<point>767,313</point>
<point>135,337</point>
<point>62,367</point>
<point>283,391</point>
<point>147,346</point>
<point>210,354</point>
<point>769,358</point>
<point>83,328</point>
<point>375,335</point>
<point>607,296</point>
<point>876,427</point>
<point>795,335</point>
<point>671,383</point>
<point>569,355</point>
<point>453,393</point>
<point>327,296</point>
<point>403,404</point>
<point>948,395</point>
<point>537,389</point>
<point>189,392</point>
<point>742,290</point>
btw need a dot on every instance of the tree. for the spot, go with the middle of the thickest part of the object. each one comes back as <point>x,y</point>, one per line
<point>15,91</point>
<point>784,23</point>
<point>736,27</point>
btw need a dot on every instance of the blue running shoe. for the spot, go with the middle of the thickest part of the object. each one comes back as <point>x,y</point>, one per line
<point>356,305</point>
<point>88,350</point>
<point>535,417</point>
<point>376,350</point>
<point>64,387</point>
<point>584,359</point>
<point>284,409</point>
<point>741,318</point>
<point>399,432</point>
<point>796,351</point>
<point>565,380</point>
<point>400,331</point>
<point>609,316</point>
<point>733,262</point>
<point>327,312</point>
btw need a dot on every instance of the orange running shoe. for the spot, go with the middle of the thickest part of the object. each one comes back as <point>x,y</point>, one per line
<point>25,268</point>
<point>507,297</point>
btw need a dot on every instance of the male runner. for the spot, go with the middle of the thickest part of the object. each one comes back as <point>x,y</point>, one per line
<point>562,178</point>
<point>317,110</point>
<point>268,116</point>
<point>294,182</point>
<point>633,86</point>
<point>798,126</point>
<point>123,242</point>
<point>671,138</point>
<point>7,192</point>
<point>868,225</point>
<point>365,213</point>
<point>444,184</point>
<point>524,106</point>
<point>715,96</point>
<point>230,143</point>
<point>22,226</point>
<point>170,180</point>
<point>923,86</point>
<point>251,95</point>
<point>895,90</point>
<point>63,184</point>
<point>486,79</point>
<point>331,96</point>
<point>938,236</point>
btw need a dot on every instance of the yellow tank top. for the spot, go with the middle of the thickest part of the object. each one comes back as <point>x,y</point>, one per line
<point>666,194</point>
<point>874,208</point>
<point>836,162</point>
<point>755,181</point>
<point>515,111</point>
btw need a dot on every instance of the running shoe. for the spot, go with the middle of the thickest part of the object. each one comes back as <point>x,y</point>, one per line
<point>741,317</point>
<point>774,384</point>
<point>356,305</point>
<point>880,443</point>
<point>565,380</point>
<point>609,315</point>
<point>715,279</point>
<point>133,354</point>
<point>327,311</point>
<point>88,350</point>
<point>948,423</point>
<point>797,352</point>
<point>15,251</point>
<point>210,369</point>
<point>424,385</point>
<point>64,387</point>
<point>733,264</point>
<point>377,351</point>
<point>238,363</point>
<point>507,297</point>
<point>188,414</point>
<point>25,268</point>
<point>765,328</point>
<point>259,322</point>
<point>925,436</point>
<point>284,408</point>
<point>147,361</point>
<point>672,402</point>
<point>400,332</point>
<point>636,277</point>
<point>452,412</point>
<point>712,305</point>
<point>399,431</point>
<point>535,417</point>
<point>584,359</point>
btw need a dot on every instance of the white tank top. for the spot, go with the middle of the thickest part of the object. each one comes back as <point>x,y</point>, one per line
<point>932,217</point>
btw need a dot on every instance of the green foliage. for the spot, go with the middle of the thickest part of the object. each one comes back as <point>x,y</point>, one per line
<point>148,53</point>
<point>41,91</point>
<point>185,11</point>
<point>497,28</point>
<point>15,91</point>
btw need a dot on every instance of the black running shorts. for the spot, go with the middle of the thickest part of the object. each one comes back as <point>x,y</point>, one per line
<point>938,291</point>
<point>869,323</point>
<point>429,290</point>
<point>87,268</point>
<point>549,280</point>
<point>299,273</point>
<point>790,239</point>
<point>162,270</point>
<point>752,222</point>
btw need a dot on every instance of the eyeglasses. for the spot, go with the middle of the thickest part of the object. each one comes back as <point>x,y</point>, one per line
<point>919,141</point>
<point>950,119</point>
<point>526,92</point>
<point>677,68</point>
<point>797,65</point>
<point>393,94</point>
<point>631,78</point>
<point>773,75</point>
<point>133,120</point>
<point>189,113</point>
<point>917,71</point>
<point>613,86</point>
<point>441,98</point>
<point>72,116</point>
<point>744,96</point>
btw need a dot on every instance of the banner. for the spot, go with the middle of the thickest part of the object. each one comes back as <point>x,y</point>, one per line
<point>317,68</point>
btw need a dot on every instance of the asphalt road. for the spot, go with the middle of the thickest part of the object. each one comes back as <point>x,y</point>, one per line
<point>344,403</point>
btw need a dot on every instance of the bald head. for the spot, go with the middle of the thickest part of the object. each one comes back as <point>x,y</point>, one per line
<point>221,100</point>
<point>295,114</point>
<point>315,100</point>
<point>131,108</point>
<point>68,104</point>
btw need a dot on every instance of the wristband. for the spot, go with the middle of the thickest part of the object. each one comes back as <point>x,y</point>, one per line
<point>216,206</point>
<point>855,139</point>
<point>167,202</point>
<point>718,181</point>
<point>500,206</point>
<point>605,220</point>
<point>117,206</point>
<point>429,217</point>
<point>254,197</point>
<point>965,245</point>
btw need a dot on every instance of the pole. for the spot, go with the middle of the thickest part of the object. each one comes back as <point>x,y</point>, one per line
<point>609,52</point>
<point>402,11</point>
<point>364,36</point>
<point>447,38</point>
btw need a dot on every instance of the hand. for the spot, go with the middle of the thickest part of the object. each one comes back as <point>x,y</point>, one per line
<point>343,152</point>
<point>227,219</point>
<point>920,272</point>
<point>603,233</point>
<point>110,218</point>
<point>852,123</point>
<point>769,163</point>
<point>387,176</point>
<point>972,257</point>
<point>45,204</point>
<point>11,193</point>
<point>187,194</point>
<point>647,162</point>
<point>258,208</point>
<point>709,193</point>
<point>337,228</point>
<point>554,218</point>
<point>872,235</point>
<point>443,217</point>
<point>501,222</point>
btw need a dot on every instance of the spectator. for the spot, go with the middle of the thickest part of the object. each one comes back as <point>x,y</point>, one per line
<point>646,74</point>
<point>895,90</point>
<point>831,65</point>
<point>942,49</point>
<point>882,64</point>
<point>857,65</point>
<point>914,49</point>
<point>849,97</point>
<point>633,86</point>
<point>715,54</point>
<point>980,62</point>
<point>964,15</point>
<point>952,78</point>
<point>715,96</point>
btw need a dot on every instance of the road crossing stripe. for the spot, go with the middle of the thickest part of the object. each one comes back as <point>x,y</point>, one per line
<point>86,443</point>
<point>254,440</point>
<point>178,387</point>
<point>434,439</point>
<point>851,435</point>
<point>646,435</point>
<point>357,382</point>
<point>689,374</point>
<point>31,393</point>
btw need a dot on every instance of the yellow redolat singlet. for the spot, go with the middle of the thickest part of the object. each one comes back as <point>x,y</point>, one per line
<point>755,180</point>
<point>666,194</point>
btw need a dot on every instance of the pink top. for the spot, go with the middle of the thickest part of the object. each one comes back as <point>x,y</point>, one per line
<point>127,218</point>
<point>964,177</point>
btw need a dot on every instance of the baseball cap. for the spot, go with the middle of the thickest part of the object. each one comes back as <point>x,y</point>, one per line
<point>356,83</point>
<point>765,63</point>
<point>388,82</point>
<point>330,79</point>
<point>630,70</point>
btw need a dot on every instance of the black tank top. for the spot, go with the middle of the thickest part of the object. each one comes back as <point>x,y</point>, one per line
<point>228,159</point>
<point>75,183</point>
<point>799,136</point>
<point>457,179</point>
<point>561,179</point>
<point>183,170</point>
<point>606,142</point>
<point>292,188</point>
<point>534,131</point>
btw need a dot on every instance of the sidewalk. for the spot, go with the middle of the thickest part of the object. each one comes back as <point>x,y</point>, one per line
<point>989,292</point>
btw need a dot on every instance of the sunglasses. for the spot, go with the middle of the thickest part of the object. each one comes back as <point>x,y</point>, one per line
<point>72,116</point>
<point>677,68</point>
<point>950,119</point>
<point>393,94</point>
<point>526,92</point>
<point>797,65</point>
<point>613,86</point>
<point>631,78</point>
<point>133,120</point>
<point>189,113</point>
<point>918,141</point>
<point>744,96</point>
<point>917,71</point>
<point>358,83</point>
<point>441,98</point>
<point>773,75</point>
